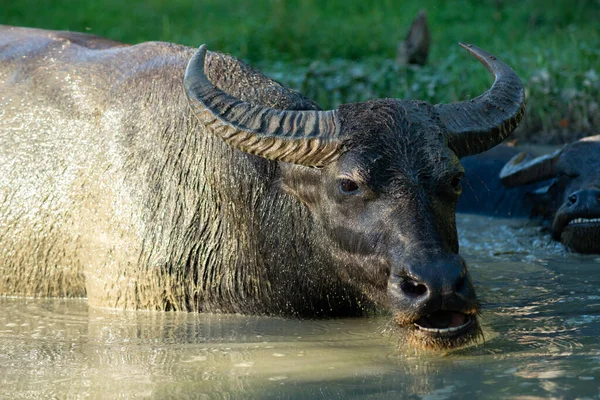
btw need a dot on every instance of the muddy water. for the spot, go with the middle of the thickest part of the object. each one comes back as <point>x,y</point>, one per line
<point>542,339</point>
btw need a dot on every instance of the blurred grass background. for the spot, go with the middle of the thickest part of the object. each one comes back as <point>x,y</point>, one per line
<point>339,51</point>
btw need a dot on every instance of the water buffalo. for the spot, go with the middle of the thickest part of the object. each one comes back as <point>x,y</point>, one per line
<point>136,182</point>
<point>563,188</point>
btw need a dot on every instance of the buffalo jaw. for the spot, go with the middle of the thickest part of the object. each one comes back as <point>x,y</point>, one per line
<point>440,330</point>
<point>582,235</point>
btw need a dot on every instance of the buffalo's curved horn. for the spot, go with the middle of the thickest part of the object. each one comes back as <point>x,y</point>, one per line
<point>523,169</point>
<point>479,124</point>
<point>302,137</point>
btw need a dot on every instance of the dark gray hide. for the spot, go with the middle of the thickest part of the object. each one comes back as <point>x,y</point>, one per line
<point>111,188</point>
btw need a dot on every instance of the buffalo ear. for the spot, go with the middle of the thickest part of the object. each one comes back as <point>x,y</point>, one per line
<point>524,168</point>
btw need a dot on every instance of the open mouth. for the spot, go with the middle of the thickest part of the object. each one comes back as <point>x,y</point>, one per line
<point>581,235</point>
<point>444,324</point>
<point>584,221</point>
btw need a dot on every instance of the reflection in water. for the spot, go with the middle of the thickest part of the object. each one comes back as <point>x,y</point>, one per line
<point>541,321</point>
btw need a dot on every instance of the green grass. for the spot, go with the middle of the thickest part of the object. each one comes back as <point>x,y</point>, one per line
<point>338,51</point>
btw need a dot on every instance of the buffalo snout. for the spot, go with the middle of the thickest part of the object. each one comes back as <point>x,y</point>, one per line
<point>436,301</point>
<point>577,221</point>
<point>428,287</point>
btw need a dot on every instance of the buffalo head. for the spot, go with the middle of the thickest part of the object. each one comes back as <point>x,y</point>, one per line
<point>381,180</point>
<point>571,199</point>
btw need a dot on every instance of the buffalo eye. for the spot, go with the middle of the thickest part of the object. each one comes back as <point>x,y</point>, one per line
<point>347,186</point>
<point>456,182</point>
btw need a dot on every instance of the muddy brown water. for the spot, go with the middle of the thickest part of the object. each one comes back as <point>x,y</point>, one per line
<point>541,320</point>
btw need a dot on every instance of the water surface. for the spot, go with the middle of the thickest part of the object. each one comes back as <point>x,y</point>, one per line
<point>541,319</point>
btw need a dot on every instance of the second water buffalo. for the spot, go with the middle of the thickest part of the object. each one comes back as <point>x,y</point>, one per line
<point>562,188</point>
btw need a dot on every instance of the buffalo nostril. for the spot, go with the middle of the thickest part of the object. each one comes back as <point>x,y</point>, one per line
<point>413,288</point>
<point>572,199</point>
